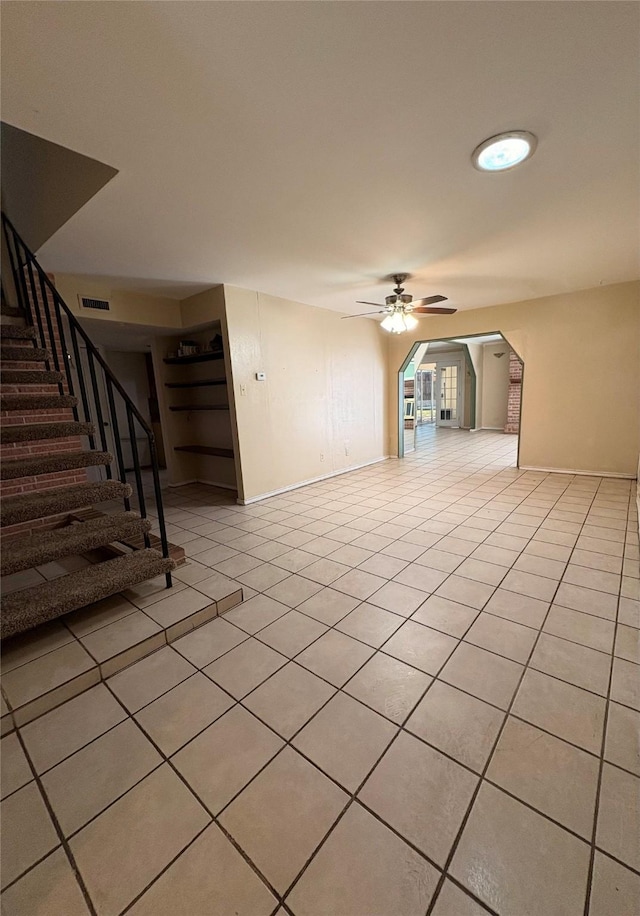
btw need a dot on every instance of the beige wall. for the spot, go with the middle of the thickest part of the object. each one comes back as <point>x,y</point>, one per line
<point>322,406</point>
<point>133,308</point>
<point>495,385</point>
<point>581,391</point>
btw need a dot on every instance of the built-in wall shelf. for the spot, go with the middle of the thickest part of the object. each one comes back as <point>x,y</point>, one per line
<point>201,407</point>
<point>195,358</point>
<point>205,450</point>
<point>202,383</point>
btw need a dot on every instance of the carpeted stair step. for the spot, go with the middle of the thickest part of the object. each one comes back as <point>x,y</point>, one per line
<point>28,432</point>
<point>16,332</point>
<point>10,312</point>
<point>51,464</point>
<point>27,506</point>
<point>36,401</point>
<point>44,546</point>
<point>30,377</point>
<point>24,354</point>
<point>32,606</point>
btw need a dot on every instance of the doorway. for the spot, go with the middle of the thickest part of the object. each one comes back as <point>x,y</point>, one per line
<point>457,388</point>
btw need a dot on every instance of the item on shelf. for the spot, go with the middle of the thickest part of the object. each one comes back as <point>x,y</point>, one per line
<point>215,344</point>
<point>188,348</point>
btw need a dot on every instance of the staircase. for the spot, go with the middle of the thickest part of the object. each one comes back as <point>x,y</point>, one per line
<point>57,404</point>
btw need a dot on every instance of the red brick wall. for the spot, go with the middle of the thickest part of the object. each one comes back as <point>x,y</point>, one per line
<point>45,446</point>
<point>515,394</point>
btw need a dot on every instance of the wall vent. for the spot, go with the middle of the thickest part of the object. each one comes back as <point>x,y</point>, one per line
<point>86,302</point>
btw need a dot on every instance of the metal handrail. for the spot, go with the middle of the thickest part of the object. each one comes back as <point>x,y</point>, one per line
<point>29,277</point>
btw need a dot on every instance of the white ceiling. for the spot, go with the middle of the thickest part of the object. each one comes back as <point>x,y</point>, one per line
<point>307,149</point>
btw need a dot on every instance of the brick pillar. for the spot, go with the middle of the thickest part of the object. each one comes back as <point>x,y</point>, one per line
<point>33,448</point>
<point>515,394</point>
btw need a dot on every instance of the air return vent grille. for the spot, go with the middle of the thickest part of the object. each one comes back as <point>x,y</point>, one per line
<point>102,305</point>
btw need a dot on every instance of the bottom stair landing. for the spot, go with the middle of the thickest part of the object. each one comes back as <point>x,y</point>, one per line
<point>55,662</point>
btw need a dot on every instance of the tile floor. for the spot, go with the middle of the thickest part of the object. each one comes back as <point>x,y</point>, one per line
<point>427,704</point>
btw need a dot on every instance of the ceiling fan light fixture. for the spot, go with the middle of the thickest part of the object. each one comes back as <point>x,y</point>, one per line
<point>504,151</point>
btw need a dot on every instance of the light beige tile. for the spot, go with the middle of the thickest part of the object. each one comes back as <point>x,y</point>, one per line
<point>288,699</point>
<point>329,606</point>
<point>219,762</point>
<point>245,667</point>
<point>370,624</point>
<point>483,674</point>
<point>99,614</point>
<point>294,590</point>
<point>552,776</point>
<point>421,794</point>
<point>16,771</point>
<point>440,559</point>
<point>629,612</point>
<point>359,584</point>
<point>364,868</point>
<point>206,643</point>
<point>454,902</point>
<point>517,861</point>
<point>520,608</point>
<point>497,555</point>
<point>421,647</point>
<point>480,571</point>
<point>324,571</point>
<point>559,708</point>
<point>49,889</point>
<point>573,663</point>
<point>466,591</point>
<point>26,647</point>
<point>236,565</point>
<point>225,883</point>
<point>116,638</point>
<point>581,628</point>
<point>335,657</point>
<point>129,844</point>
<point>618,831</point>
<point>146,593</point>
<point>84,784</point>
<point>349,555</point>
<point>504,637</point>
<point>292,633</point>
<point>614,889</point>
<point>176,607</point>
<point>458,546</point>
<point>345,740</point>
<point>282,816</point>
<point>548,551</point>
<point>45,673</point>
<point>66,729</point>
<point>592,560</point>
<point>587,600</point>
<point>143,682</point>
<point>256,613</point>
<point>539,566</point>
<point>460,725</point>
<point>398,598</point>
<point>381,565</point>
<point>420,577</point>
<point>263,577</point>
<point>524,583</point>
<point>174,718</point>
<point>623,738</point>
<point>27,832</point>
<point>592,578</point>
<point>628,644</point>
<point>445,615</point>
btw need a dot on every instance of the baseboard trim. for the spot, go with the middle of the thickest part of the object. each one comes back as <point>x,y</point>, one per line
<point>305,483</point>
<point>208,483</point>
<point>527,467</point>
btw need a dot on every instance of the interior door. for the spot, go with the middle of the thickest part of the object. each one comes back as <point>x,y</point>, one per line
<point>448,393</point>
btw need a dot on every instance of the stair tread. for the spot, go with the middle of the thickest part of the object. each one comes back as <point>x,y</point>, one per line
<point>41,547</point>
<point>33,606</point>
<point>10,312</point>
<point>37,401</point>
<point>16,332</point>
<point>51,464</point>
<point>30,377</point>
<point>34,431</point>
<point>24,354</point>
<point>43,503</point>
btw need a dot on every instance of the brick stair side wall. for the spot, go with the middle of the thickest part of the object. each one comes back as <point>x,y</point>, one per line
<point>515,394</point>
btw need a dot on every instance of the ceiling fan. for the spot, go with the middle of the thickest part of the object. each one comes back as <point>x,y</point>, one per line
<point>401,308</point>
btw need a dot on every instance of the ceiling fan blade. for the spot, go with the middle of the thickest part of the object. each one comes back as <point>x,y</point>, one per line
<point>377,304</point>
<point>429,300</point>
<point>425,310</point>
<point>363,314</point>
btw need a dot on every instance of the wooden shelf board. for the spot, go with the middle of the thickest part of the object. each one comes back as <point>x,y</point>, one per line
<point>202,383</point>
<point>205,450</point>
<point>196,358</point>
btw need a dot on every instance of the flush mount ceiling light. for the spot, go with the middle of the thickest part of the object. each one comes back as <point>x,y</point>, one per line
<point>504,151</point>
